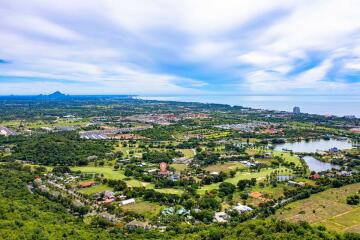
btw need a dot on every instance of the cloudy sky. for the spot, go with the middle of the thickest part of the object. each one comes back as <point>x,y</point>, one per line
<point>180,47</point>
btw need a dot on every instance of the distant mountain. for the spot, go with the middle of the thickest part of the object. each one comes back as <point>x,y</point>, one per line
<point>57,94</point>
<point>61,96</point>
<point>54,95</point>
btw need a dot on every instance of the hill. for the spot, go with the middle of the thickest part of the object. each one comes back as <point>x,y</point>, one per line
<point>26,215</point>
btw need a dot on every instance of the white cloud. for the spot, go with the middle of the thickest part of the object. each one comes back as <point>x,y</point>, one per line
<point>138,46</point>
<point>36,25</point>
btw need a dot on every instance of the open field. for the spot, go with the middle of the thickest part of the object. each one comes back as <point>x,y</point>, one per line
<point>95,189</point>
<point>179,166</point>
<point>170,190</point>
<point>145,208</point>
<point>328,208</point>
<point>107,171</point>
<point>241,175</point>
<point>41,123</point>
<point>226,167</point>
<point>111,174</point>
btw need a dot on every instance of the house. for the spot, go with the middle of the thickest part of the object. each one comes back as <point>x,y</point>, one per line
<point>108,216</point>
<point>162,228</point>
<point>315,176</point>
<point>175,177</point>
<point>108,201</point>
<point>108,197</point>
<point>92,158</point>
<point>183,160</point>
<point>247,163</point>
<point>221,217</point>
<point>37,181</point>
<point>296,184</point>
<point>46,129</point>
<point>334,150</point>
<point>127,136</point>
<point>355,130</point>
<point>329,174</point>
<point>182,211</point>
<point>108,194</point>
<point>168,211</point>
<point>127,201</point>
<point>137,224</point>
<point>345,173</point>
<point>64,128</point>
<point>43,188</point>
<point>242,208</point>
<point>121,197</point>
<point>152,170</point>
<point>6,132</point>
<point>283,178</point>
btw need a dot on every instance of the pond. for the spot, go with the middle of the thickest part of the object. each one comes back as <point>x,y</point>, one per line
<point>314,145</point>
<point>318,166</point>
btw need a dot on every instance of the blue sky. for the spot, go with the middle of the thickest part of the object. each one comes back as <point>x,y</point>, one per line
<point>169,47</point>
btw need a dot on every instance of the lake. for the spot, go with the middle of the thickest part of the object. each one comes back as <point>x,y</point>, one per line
<point>325,105</point>
<point>318,166</point>
<point>314,145</point>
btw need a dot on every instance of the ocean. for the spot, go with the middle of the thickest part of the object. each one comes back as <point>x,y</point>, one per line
<point>324,105</point>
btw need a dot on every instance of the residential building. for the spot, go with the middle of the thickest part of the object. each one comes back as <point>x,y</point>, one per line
<point>242,208</point>
<point>6,132</point>
<point>221,217</point>
<point>137,224</point>
<point>127,201</point>
<point>296,110</point>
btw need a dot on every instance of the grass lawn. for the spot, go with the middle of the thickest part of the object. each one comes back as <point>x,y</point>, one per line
<point>288,157</point>
<point>188,153</point>
<point>270,191</point>
<point>217,135</point>
<point>252,151</point>
<point>95,189</point>
<point>170,190</point>
<point>107,171</point>
<point>327,208</point>
<point>226,167</point>
<point>179,167</point>
<point>145,208</point>
<point>240,175</point>
<point>137,183</point>
<point>111,174</point>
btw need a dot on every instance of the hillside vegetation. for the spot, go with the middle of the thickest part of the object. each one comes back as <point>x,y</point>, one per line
<point>24,215</point>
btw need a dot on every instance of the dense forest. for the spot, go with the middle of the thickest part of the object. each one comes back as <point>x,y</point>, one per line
<point>63,148</point>
<point>26,215</point>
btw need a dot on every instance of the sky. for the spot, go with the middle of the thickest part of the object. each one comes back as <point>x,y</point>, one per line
<point>187,47</point>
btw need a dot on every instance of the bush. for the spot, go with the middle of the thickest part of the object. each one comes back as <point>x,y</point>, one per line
<point>353,200</point>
